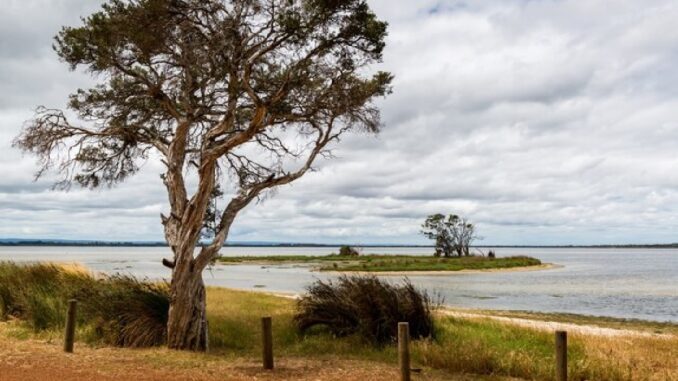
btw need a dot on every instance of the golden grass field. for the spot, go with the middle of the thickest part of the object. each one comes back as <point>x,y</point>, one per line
<point>474,348</point>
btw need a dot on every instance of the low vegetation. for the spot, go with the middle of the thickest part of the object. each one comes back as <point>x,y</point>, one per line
<point>114,310</point>
<point>366,306</point>
<point>470,346</point>
<point>391,263</point>
<point>490,347</point>
<point>348,251</point>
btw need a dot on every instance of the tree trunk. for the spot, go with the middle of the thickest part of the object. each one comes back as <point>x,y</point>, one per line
<point>187,321</point>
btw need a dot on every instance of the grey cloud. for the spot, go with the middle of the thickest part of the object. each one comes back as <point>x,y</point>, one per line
<point>542,121</point>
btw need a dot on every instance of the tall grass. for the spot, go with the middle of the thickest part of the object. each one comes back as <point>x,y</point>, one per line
<point>494,348</point>
<point>367,306</point>
<point>473,347</point>
<point>116,310</point>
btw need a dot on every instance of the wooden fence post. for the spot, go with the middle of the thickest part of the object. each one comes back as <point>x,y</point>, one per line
<point>561,356</point>
<point>404,351</point>
<point>267,341</point>
<point>69,335</point>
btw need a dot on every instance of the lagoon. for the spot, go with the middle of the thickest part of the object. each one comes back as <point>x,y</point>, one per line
<point>625,283</point>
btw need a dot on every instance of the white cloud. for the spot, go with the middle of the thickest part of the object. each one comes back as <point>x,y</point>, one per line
<point>543,121</point>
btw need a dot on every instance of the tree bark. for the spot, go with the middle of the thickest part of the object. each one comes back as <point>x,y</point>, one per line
<point>187,320</point>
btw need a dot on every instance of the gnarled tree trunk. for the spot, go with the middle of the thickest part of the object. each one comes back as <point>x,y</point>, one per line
<point>187,320</point>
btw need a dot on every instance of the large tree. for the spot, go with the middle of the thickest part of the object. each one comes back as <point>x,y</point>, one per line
<point>235,97</point>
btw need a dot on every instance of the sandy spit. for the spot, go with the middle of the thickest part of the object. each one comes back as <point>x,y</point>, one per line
<point>544,266</point>
<point>555,326</point>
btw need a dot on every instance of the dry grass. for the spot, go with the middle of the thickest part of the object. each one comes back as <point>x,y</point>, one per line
<point>632,358</point>
<point>482,349</point>
<point>486,346</point>
<point>43,360</point>
<point>117,310</point>
<point>73,268</point>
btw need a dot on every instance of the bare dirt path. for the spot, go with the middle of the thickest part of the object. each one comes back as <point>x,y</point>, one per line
<point>22,360</point>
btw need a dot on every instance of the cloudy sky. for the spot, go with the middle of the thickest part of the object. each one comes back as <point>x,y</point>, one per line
<point>545,122</point>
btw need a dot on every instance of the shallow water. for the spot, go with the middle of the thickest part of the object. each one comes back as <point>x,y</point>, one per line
<point>628,283</point>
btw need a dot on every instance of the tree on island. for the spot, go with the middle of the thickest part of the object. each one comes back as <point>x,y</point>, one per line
<point>452,235</point>
<point>348,251</point>
<point>234,97</point>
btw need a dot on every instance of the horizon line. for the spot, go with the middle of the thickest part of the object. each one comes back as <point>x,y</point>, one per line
<point>97,242</point>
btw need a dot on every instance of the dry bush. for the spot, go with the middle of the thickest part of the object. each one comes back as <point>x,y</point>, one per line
<point>120,310</point>
<point>367,306</point>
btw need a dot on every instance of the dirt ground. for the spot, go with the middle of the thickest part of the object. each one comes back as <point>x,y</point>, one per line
<point>44,361</point>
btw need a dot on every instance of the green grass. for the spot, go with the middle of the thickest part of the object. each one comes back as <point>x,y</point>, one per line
<point>483,347</point>
<point>391,263</point>
<point>235,327</point>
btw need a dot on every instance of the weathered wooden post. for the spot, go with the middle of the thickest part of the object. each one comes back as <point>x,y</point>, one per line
<point>561,356</point>
<point>69,335</point>
<point>404,351</point>
<point>267,341</point>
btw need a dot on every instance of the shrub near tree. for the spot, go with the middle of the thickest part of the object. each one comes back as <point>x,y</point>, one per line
<point>117,310</point>
<point>452,234</point>
<point>366,306</point>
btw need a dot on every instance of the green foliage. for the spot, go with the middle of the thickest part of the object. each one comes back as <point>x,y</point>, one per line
<point>214,67</point>
<point>453,234</point>
<point>373,262</point>
<point>118,310</point>
<point>120,28</point>
<point>366,306</point>
<point>385,263</point>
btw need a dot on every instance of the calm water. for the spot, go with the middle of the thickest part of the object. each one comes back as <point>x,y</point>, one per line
<point>631,283</point>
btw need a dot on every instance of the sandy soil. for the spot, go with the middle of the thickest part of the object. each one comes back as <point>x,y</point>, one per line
<point>553,326</point>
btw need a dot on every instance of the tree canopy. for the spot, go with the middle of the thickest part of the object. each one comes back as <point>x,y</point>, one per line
<point>452,234</point>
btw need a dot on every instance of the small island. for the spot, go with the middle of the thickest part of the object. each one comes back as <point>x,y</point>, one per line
<point>453,236</point>
<point>391,263</point>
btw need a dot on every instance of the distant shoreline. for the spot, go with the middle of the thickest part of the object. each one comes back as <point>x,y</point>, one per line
<point>68,243</point>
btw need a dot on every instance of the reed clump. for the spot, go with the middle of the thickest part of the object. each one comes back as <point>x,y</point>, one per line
<point>366,306</point>
<point>115,310</point>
